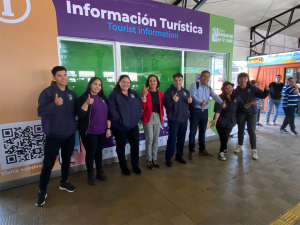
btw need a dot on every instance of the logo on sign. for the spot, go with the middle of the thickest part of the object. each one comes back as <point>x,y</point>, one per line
<point>8,11</point>
<point>219,35</point>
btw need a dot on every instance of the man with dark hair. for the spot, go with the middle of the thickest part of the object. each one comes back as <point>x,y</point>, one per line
<point>274,99</point>
<point>57,104</point>
<point>176,102</point>
<point>201,92</point>
<point>289,104</point>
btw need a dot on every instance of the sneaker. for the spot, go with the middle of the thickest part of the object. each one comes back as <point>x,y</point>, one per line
<point>283,131</point>
<point>222,156</point>
<point>101,176</point>
<point>169,163</point>
<point>92,179</point>
<point>137,170</point>
<point>254,154</point>
<point>42,195</point>
<point>294,133</point>
<point>239,149</point>
<point>273,123</point>
<point>225,151</point>
<point>181,160</point>
<point>126,171</point>
<point>65,185</point>
<point>267,123</point>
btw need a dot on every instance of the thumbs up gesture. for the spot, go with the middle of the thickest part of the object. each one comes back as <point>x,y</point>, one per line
<point>58,100</point>
<point>190,99</point>
<point>203,104</point>
<point>145,92</point>
<point>89,100</point>
<point>223,104</point>
<point>175,98</point>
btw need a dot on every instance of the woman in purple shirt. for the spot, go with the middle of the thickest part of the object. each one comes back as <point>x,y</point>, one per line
<point>94,127</point>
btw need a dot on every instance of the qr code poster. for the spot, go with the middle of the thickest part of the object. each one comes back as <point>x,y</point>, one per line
<point>21,144</point>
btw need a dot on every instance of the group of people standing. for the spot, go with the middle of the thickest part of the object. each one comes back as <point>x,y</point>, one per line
<point>121,112</point>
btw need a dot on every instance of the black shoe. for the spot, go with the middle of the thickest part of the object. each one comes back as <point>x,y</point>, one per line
<point>65,185</point>
<point>169,163</point>
<point>181,160</point>
<point>137,170</point>
<point>150,166</point>
<point>101,176</point>
<point>126,171</point>
<point>155,164</point>
<point>42,195</point>
<point>92,179</point>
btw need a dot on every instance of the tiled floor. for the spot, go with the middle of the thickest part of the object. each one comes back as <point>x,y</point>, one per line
<point>204,191</point>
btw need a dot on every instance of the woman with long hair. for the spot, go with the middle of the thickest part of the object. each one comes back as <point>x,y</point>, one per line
<point>248,93</point>
<point>225,118</point>
<point>125,108</point>
<point>94,127</point>
<point>153,118</point>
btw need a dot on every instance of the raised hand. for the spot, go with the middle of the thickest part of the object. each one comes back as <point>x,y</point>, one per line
<point>267,88</point>
<point>89,100</point>
<point>213,123</point>
<point>145,92</point>
<point>189,100</point>
<point>175,98</point>
<point>203,104</point>
<point>223,104</point>
<point>58,100</point>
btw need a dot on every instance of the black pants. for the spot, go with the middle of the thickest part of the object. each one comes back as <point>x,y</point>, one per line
<point>133,137</point>
<point>289,118</point>
<point>224,135</point>
<point>93,145</point>
<point>258,115</point>
<point>251,125</point>
<point>51,150</point>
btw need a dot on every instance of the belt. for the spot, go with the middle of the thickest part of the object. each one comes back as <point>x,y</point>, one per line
<point>197,109</point>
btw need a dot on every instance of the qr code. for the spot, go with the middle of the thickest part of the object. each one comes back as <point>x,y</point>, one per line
<point>22,144</point>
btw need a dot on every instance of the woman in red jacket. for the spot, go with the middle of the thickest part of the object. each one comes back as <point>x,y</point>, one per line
<point>153,118</point>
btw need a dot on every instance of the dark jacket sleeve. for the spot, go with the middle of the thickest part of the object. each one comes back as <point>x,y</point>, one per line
<point>217,108</point>
<point>168,99</point>
<point>46,105</point>
<point>240,103</point>
<point>112,108</point>
<point>79,111</point>
<point>261,94</point>
<point>140,103</point>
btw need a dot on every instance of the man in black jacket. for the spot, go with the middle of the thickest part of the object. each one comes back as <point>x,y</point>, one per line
<point>57,105</point>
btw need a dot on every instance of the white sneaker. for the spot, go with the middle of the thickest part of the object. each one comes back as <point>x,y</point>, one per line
<point>294,133</point>
<point>273,123</point>
<point>254,154</point>
<point>239,149</point>
<point>222,156</point>
<point>267,123</point>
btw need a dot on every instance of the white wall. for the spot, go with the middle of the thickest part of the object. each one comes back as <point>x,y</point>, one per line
<point>277,43</point>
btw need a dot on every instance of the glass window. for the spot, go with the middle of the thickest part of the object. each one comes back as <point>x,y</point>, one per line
<point>86,60</point>
<point>140,62</point>
<point>196,62</point>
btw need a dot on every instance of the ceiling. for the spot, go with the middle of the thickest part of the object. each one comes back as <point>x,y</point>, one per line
<point>248,13</point>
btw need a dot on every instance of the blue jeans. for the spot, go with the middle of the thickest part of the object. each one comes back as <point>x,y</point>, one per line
<point>177,131</point>
<point>198,118</point>
<point>271,103</point>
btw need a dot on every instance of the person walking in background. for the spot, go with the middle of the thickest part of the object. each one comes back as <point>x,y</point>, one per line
<point>248,93</point>
<point>289,104</point>
<point>201,92</point>
<point>176,102</point>
<point>94,127</point>
<point>274,99</point>
<point>57,105</point>
<point>125,108</point>
<point>225,118</point>
<point>153,118</point>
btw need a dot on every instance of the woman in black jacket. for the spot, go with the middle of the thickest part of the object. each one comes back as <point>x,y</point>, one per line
<point>248,93</point>
<point>94,127</point>
<point>225,118</point>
